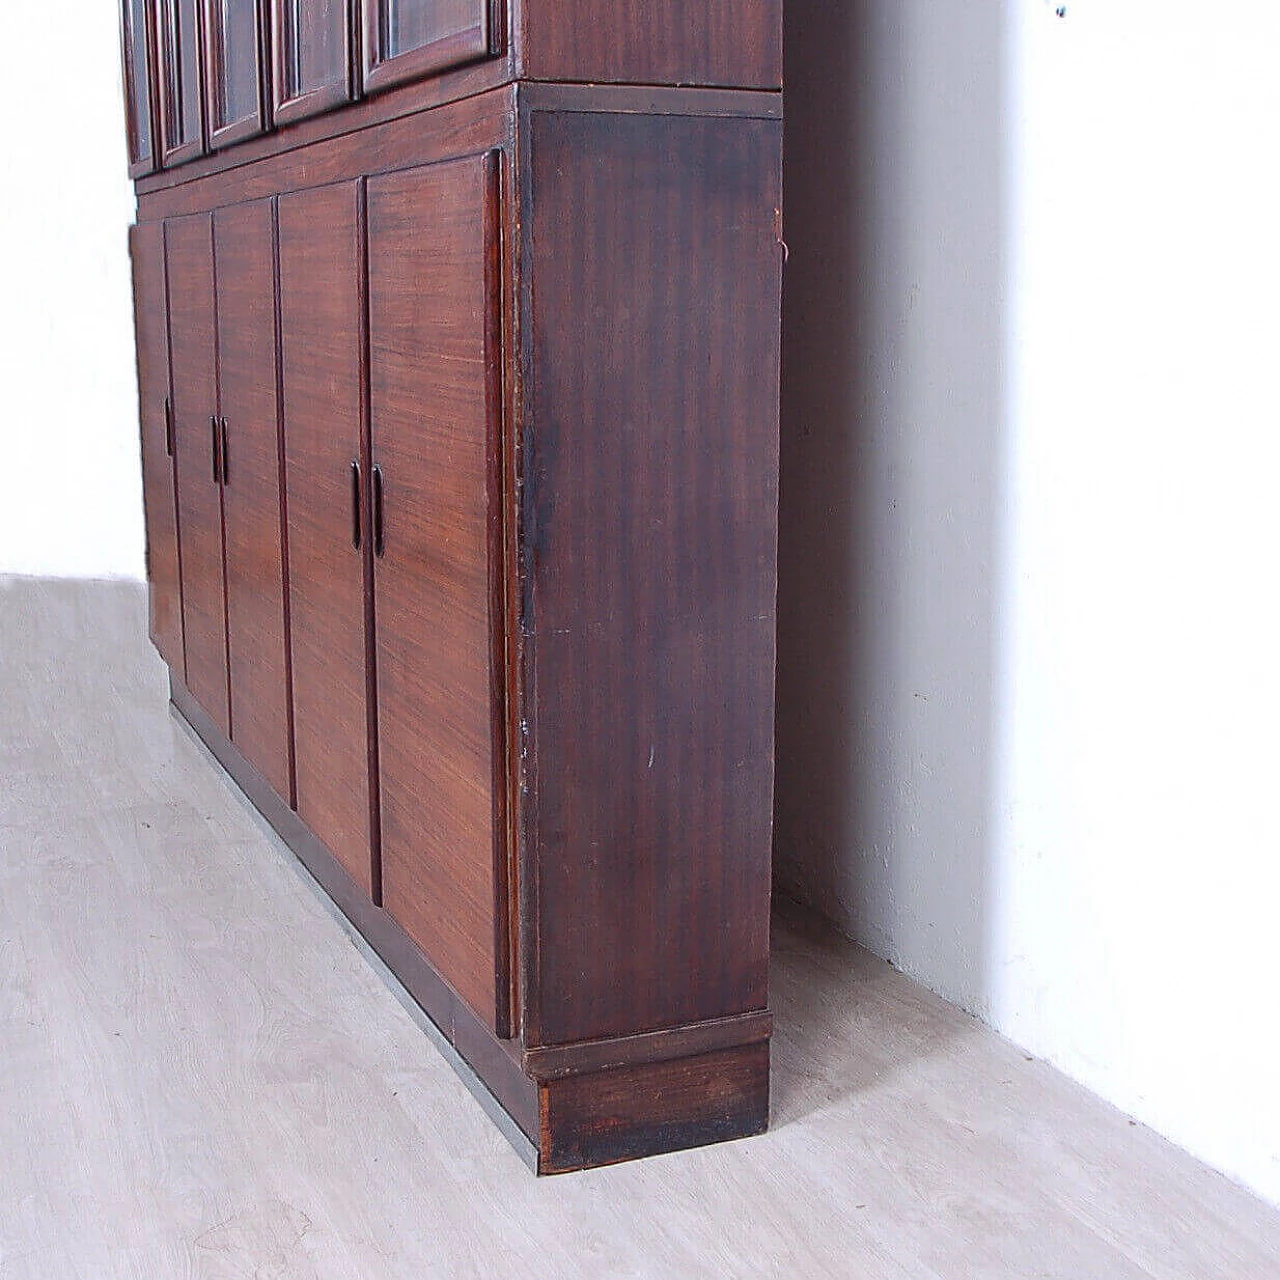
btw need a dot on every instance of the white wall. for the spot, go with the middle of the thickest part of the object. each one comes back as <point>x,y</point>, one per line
<point>70,487</point>
<point>1030,630</point>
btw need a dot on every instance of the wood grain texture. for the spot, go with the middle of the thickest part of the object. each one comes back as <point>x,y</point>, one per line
<point>649,525</point>
<point>433,303</point>
<point>400,104</point>
<point>151,330</point>
<point>311,57</point>
<point>244,238</point>
<point>321,320</point>
<point>235,106</point>
<point>193,353</point>
<point>589,1057</point>
<point>645,1110</point>
<point>408,39</point>
<point>731,43</point>
<point>458,128</point>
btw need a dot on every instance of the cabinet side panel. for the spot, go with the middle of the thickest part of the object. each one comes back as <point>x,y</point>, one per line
<point>320,344</point>
<point>726,43</point>
<point>244,239</point>
<point>650,434</point>
<point>151,330</point>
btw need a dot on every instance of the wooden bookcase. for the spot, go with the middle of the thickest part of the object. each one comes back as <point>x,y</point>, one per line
<point>458,358</point>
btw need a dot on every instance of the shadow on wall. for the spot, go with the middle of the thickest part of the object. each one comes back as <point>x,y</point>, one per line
<point>892,456</point>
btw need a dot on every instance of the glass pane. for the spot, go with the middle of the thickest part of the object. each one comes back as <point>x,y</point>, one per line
<point>238,33</point>
<point>139,90</point>
<point>411,24</point>
<point>316,54</point>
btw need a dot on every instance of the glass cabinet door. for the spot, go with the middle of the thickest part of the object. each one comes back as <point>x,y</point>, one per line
<point>137,41</point>
<point>312,54</point>
<point>234,105</point>
<point>178,44</point>
<point>405,39</point>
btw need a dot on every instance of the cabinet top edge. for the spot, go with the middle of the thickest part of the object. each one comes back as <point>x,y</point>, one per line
<point>475,82</point>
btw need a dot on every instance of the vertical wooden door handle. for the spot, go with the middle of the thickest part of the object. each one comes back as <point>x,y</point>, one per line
<point>355,505</point>
<point>213,427</point>
<point>225,473</point>
<point>168,426</point>
<point>379,532</point>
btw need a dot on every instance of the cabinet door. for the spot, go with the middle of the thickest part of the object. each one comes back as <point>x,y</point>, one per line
<point>321,327</point>
<point>233,42</point>
<point>405,39</point>
<point>189,255</point>
<point>311,47</point>
<point>178,64</point>
<point>137,42</point>
<point>244,242</point>
<point>434,368</point>
<point>151,328</point>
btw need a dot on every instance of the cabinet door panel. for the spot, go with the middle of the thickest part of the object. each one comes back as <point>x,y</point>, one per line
<point>244,240</point>
<point>189,255</point>
<point>405,39</point>
<point>137,42</point>
<point>312,50</point>
<point>179,65</point>
<point>234,106</point>
<point>151,327</point>
<point>320,342</point>
<point>433,309</point>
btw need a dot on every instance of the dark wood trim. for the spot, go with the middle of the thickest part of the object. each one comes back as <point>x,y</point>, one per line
<point>652,100</point>
<point>222,482</point>
<point>526,749</point>
<point>497,28</point>
<point>495,1061</point>
<point>284,500</point>
<point>310,104</point>
<point>508,391</point>
<point>326,97</point>
<point>139,165</point>
<point>177,509</point>
<point>466,127</point>
<point>182,153</point>
<point>454,86</point>
<point>495,452</point>
<point>231,134</point>
<point>453,51</point>
<point>249,126</point>
<point>556,1062</point>
<point>367,551</point>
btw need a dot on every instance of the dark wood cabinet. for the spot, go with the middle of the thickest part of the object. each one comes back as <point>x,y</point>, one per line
<point>463,541</point>
<point>311,49</point>
<point>235,100</point>
<point>179,82</point>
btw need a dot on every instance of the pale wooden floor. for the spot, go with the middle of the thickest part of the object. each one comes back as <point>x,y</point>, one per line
<point>201,1077</point>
